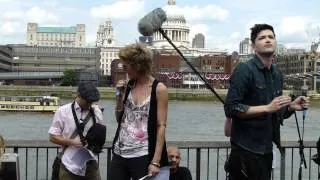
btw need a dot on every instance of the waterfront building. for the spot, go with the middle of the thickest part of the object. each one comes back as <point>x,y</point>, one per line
<point>45,65</point>
<point>299,69</point>
<point>73,36</point>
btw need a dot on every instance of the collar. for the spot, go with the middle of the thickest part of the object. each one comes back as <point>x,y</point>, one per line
<point>77,106</point>
<point>257,61</point>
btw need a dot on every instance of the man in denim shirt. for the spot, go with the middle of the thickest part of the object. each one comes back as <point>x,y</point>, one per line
<point>257,107</point>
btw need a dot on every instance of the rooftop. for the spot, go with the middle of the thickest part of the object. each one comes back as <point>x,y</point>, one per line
<point>71,29</point>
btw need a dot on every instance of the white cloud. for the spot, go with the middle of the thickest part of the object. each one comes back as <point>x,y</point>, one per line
<point>9,27</point>
<point>12,15</point>
<point>297,45</point>
<point>293,25</point>
<point>36,14</point>
<point>123,9</point>
<point>235,35</point>
<point>195,13</point>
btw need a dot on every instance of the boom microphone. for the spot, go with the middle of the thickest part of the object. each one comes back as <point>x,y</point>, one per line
<point>152,22</point>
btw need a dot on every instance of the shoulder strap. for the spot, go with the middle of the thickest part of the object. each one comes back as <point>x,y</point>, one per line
<point>128,89</point>
<point>79,129</point>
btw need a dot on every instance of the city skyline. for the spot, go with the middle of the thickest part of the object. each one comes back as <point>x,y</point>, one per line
<point>224,23</point>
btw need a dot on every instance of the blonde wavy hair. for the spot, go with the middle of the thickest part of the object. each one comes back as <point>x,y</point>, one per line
<point>138,56</point>
<point>2,146</point>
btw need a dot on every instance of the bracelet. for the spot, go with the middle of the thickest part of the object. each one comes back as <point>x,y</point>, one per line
<point>156,164</point>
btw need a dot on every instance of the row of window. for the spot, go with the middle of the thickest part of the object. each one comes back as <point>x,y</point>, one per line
<point>55,50</point>
<point>64,38</point>
<point>16,107</point>
<point>111,54</point>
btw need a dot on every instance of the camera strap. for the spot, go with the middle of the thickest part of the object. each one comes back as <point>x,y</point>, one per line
<point>80,127</point>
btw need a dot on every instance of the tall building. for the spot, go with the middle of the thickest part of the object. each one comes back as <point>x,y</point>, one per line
<point>175,27</point>
<point>73,36</point>
<point>198,41</point>
<point>109,50</point>
<point>245,47</point>
<point>105,37</point>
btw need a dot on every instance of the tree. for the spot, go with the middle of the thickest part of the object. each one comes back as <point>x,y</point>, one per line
<point>69,77</point>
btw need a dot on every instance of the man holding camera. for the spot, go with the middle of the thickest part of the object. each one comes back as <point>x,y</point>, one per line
<point>77,162</point>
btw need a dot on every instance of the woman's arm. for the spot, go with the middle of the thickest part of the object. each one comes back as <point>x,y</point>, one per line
<point>162,111</point>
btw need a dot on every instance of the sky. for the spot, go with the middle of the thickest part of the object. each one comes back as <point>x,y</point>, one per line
<point>223,22</point>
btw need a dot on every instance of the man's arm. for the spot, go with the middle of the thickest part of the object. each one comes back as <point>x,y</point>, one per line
<point>55,132</point>
<point>60,140</point>
<point>239,87</point>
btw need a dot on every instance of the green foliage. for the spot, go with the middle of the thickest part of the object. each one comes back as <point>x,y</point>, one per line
<point>69,77</point>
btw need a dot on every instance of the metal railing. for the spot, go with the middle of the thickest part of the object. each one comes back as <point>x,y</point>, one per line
<point>204,159</point>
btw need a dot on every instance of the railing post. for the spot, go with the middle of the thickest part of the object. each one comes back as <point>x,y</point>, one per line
<point>198,159</point>
<point>15,150</point>
<point>108,163</point>
<point>283,164</point>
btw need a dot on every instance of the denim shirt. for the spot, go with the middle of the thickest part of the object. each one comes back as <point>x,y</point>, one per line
<point>252,84</point>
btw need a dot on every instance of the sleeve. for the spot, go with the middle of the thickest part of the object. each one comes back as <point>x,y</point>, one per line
<point>57,124</point>
<point>239,85</point>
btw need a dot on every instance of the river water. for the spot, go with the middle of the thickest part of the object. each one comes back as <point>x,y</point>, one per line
<point>187,121</point>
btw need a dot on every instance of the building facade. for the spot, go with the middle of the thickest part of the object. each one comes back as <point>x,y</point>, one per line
<point>105,35</point>
<point>198,41</point>
<point>299,69</point>
<point>45,65</point>
<point>74,36</point>
<point>108,54</point>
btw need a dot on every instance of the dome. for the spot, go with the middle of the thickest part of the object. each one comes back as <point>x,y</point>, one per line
<point>172,12</point>
<point>175,26</point>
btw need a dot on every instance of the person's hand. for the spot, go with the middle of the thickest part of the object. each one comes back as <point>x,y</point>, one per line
<point>300,103</point>
<point>277,103</point>
<point>76,143</point>
<point>153,170</point>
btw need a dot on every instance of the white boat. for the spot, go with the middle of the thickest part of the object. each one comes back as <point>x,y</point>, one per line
<point>29,103</point>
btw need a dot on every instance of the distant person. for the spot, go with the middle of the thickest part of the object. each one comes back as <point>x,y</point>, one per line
<point>257,107</point>
<point>177,172</point>
<point>76,164</point>
<point>139,147</point>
